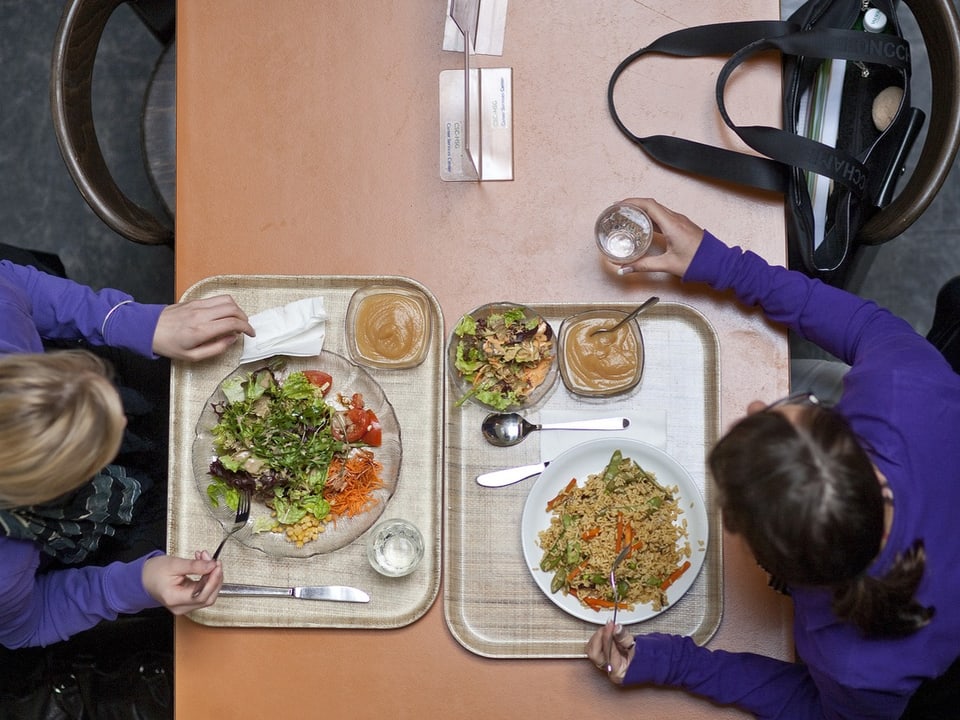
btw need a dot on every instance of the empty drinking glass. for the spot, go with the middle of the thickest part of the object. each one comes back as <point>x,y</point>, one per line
<point>624,233</point>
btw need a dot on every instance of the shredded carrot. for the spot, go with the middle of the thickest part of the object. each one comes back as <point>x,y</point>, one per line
<point>590,534</point>
<point>362,479</point>
<point>675,575</point>
<point>598,603</point>
<point>603,604</point>
<point>537,374</point>
<point>571,576</point>
<point>570,485</point>
<point>619,538</point>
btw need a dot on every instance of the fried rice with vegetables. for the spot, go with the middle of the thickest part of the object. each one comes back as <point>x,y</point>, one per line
<point>621,507</point>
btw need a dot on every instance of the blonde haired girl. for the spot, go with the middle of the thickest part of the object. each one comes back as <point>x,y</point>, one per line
<point>61,423</point>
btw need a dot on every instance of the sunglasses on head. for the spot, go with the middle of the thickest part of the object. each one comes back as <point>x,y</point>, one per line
<point>797,398</point>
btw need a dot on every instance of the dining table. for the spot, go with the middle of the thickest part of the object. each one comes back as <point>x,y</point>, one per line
<point>310,150</point>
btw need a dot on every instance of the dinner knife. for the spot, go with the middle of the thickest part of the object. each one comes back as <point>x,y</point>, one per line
<point>508,476</point>
<point>337,593</point>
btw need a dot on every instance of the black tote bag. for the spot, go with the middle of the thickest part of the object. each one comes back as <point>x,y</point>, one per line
<point>859,170</point>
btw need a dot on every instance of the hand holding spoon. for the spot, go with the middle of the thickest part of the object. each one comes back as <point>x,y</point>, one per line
<point>505,429</point>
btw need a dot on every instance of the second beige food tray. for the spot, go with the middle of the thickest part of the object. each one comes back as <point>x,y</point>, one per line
<point>416,395</point>
<point>491,603</point>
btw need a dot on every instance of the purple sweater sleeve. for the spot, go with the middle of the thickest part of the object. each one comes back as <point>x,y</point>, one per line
<point>844,325</point>
<point>59,309</point>
<point>770,689</point>
<point>767,687</point>
<point>50,607</point>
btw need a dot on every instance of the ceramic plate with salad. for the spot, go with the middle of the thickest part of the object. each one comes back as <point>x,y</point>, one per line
<point>502,356</point>
<point>314,439</point>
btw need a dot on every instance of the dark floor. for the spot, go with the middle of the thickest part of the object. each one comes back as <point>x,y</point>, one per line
<point>40,206</point>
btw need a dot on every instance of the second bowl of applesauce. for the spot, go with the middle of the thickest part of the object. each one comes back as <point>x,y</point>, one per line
<point>388,327</point>
<point>604,364</point>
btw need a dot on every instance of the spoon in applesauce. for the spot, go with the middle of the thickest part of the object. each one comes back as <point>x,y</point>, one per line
<point>649,303</point>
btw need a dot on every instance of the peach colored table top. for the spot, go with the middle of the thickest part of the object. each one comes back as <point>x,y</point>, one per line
<point>308,143</point>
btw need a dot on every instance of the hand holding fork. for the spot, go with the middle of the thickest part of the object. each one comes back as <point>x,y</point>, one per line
<point>617,651</point>
<point>616,602</point>
<point>243,514</point>
<point>612,640</point>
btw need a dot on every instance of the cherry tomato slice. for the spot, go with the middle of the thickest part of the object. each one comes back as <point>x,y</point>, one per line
<point>356,424</point>
<point>374,432</point>
<point>360,426</point>
<point>319,378</point>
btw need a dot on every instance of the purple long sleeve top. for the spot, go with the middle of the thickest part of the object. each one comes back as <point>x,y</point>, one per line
<point>39,609</point>
<point>903,399</point>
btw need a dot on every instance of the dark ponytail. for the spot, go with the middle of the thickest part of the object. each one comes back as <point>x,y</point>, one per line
<point>886,606</point>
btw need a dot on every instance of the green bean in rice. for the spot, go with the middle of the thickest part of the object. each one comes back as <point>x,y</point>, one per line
<point>589,525</point>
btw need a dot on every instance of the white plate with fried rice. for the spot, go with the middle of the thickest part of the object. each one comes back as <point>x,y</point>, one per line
<point>650,504</point>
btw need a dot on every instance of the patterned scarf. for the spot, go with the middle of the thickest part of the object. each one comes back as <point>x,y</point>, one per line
<point>71,527</point>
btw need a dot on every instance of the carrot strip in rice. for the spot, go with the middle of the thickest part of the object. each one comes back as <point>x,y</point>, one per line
<point>675,575</point>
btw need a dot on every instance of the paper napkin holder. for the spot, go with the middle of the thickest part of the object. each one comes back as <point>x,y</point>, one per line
<point>476,113</point>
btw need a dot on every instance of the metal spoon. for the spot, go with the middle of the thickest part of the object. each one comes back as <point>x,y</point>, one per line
<point>649,303</point>
<point>505,429</point>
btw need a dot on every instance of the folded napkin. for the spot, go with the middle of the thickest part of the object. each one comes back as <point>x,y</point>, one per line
<point>649,426</point>
<point>295,329</point>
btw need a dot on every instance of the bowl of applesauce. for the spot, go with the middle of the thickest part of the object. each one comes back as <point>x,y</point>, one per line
<point>388,327</point>
<point>604,364</point>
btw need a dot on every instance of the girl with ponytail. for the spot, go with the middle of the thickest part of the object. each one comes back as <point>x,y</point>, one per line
<point>811,506</point>
<point>850,509</point>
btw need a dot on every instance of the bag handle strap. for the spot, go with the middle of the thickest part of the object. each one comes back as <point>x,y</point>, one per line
<point>689,155</point>
<point>794,149</point>
<point>783,150</point>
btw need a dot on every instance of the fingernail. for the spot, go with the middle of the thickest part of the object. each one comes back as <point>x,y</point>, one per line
<point>617,628</point>
<point>625,270</point>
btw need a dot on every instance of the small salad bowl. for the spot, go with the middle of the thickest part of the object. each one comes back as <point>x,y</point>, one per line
<point>525,367</point>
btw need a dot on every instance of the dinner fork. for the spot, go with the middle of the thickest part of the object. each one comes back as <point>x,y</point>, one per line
<point>616,600</point>
<point>243,514</point>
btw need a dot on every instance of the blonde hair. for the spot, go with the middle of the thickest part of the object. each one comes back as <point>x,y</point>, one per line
<point>61,421</point>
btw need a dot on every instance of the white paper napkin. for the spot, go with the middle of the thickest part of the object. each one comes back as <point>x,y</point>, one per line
<point>649,426</point>
<point>295,329</point>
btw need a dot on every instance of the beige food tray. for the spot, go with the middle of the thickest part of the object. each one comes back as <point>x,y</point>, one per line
<point>491,603</point>
<point>417,398</point>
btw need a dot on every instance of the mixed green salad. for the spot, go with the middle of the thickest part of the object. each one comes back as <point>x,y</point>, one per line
<point>277,439</point>
<point>504,356</point>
